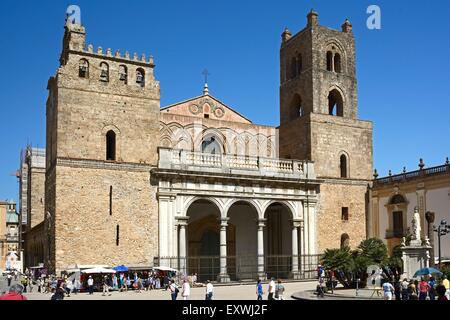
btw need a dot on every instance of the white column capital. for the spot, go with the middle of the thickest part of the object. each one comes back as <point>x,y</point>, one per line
<point>182,221</point>
<point>224,222</point>
<point>262,223</point>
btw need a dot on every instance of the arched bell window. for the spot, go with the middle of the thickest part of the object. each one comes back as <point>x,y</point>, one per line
<point>140,77</point>
<point>111,146</point>
<point>104,72</point>
<point>123,74</point>
<point>343,166</point>
<point>83,69</point>
<point>335,103</point>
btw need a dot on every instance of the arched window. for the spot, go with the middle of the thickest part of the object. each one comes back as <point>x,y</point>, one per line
<point>211,146</point>
<point>296,108</point>
<point>337,63</point>
<point>343,166</point>
<point>83,71</point>
<point>140,77</point>
<point>299,64</point>
<point>330,61</point>
<point>335,104</point>
<point>345,241</point>
<point>123,74</point>
<point>111,146</point>
<point>293,68</point>
<point>104,72</point>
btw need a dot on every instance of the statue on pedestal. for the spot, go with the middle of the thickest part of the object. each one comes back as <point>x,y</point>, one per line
<point>416,225</point>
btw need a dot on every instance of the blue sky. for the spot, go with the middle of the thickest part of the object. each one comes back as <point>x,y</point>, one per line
<point>403,69</point>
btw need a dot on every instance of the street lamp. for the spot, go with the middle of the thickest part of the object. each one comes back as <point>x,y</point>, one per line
<point>441,230</point>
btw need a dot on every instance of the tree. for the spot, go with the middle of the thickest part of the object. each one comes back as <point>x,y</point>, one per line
<point>375,250</point>
<point>341,261</point>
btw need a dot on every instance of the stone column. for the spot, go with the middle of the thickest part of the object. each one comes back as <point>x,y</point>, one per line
<point>302,248</point>
<point>182,223</point>
<point>261,274</point>
<point>295,274</point>
<point>223,276</point>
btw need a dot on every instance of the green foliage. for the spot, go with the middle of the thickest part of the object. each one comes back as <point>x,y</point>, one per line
<point>374,249</point>
<point>337,259</point>
<point>351,265</point>
<point>446,271</point>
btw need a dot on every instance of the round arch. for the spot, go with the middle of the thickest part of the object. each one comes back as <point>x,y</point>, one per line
<point>290,208</point>
<point>336,100</point>
<point>214,201</point>
<point>210,132</point>
<point>250,202</point>
<point>342,154</point>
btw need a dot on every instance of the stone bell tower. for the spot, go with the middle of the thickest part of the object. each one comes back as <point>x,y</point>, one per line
<point>102,120</point>
<point>319,122</point>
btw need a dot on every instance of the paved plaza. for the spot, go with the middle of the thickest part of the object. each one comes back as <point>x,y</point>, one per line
<point>221,292</point>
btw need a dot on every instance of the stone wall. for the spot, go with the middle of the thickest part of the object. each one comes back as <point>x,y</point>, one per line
<point>36,197</point>
<point>86,232</point>
<point>333,196</point>
<point>81,109</point>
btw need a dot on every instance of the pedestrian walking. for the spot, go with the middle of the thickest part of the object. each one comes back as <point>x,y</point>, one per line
<point>209,290</point>
<point>24,283</point>
<point>279,291</point>
<point>424,287</point>
<point>186,290</point>
<point>446,285</point>
<point>398,289</point>
<point>405,294</point>
<point>271,289</point>
<point>173,290</point>
<point>9,278</point>
<point>321,287</point>
<point>68,285</point>
<point>259,291</point>
<point>106,286</point>
<point>388,290</point>
<point>432,290</point>
<point>90,284</point>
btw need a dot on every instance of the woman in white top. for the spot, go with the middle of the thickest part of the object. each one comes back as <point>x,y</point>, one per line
<point>186,291</point>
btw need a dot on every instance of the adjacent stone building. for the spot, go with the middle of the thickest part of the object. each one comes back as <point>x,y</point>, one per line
<point>394,198</point>
<point>10,256</point>
<point>196,185</point>
<point>32,204</point>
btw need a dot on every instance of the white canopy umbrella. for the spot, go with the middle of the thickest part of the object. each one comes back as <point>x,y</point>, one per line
<point>99,270</point>
<point>165,269</point>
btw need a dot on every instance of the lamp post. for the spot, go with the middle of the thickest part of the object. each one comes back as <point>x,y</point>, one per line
<point>441,230</point>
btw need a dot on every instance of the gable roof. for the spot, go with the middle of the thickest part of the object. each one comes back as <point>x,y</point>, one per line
<point>206,105</point>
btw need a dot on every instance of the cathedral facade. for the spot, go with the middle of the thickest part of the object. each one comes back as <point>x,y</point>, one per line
<point>196,185</point>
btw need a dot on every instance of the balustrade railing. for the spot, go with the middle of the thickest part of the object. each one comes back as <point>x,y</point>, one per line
<point>170,158</point>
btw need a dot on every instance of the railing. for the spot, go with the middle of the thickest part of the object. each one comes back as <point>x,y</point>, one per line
<point>197,161</point>
<point>414,174</point>
<point>395,234</point>
<point>242,268</point>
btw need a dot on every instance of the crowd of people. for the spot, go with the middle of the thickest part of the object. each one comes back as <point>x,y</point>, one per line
<point>393,288</point>
<point>428,288</point>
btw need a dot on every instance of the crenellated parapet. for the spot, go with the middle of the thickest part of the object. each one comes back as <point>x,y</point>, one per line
<point>107,71</point>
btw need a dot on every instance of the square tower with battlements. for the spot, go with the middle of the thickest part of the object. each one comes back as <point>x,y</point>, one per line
<point>319,122</point>
<point>102,138</point>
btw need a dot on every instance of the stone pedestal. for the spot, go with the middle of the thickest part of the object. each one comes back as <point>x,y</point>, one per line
<point>414,258</point>
<point>223,278</point>
<point>296,275</point>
